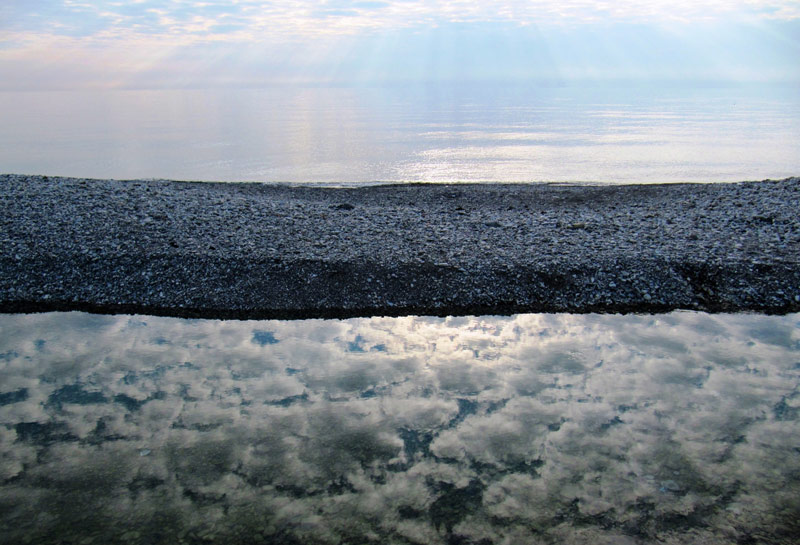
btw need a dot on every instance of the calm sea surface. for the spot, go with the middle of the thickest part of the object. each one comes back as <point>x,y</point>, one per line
<point>337,135</point>
<point>677,428</point>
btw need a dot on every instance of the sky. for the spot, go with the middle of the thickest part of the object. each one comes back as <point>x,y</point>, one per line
<point>53,44</point>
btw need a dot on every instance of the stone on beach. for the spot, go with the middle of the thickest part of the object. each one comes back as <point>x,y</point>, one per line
<point>233,250</point>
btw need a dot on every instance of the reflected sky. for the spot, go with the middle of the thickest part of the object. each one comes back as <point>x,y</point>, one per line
<point>525,429</point>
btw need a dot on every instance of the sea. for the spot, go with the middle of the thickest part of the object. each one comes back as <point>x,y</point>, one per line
<point>361,135</point>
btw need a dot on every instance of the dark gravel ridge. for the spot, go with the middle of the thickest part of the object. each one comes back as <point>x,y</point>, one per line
<point>224,250</point>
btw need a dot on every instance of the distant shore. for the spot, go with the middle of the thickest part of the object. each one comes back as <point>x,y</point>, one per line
<point>230,250</point>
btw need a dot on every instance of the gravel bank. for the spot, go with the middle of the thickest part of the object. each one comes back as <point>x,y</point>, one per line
<point>222,250</point>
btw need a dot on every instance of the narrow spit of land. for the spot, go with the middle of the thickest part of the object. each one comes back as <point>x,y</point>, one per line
<point>224,250</point>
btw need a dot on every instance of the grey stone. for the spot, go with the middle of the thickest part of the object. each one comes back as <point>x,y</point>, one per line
<point>229,250</point>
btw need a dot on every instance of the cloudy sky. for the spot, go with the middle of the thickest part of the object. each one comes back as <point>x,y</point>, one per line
<point>211,43</point>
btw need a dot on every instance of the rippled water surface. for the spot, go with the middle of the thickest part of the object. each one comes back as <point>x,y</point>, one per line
<point>681,428</point>
<point>344,135</point>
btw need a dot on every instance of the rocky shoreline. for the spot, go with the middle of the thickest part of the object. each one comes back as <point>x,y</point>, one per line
<point>242,251</point>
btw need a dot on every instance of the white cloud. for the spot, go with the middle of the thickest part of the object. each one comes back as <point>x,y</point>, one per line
<point>179,22</point>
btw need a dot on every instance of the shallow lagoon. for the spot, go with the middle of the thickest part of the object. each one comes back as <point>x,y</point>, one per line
<point>681,428</point>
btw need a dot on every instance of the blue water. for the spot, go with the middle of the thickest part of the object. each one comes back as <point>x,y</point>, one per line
<point>346,135</point>
<point>680,428</point>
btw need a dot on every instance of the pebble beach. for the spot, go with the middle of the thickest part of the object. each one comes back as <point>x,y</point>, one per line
<point>253,250</point>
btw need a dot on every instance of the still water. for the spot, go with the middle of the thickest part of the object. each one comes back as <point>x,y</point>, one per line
<point>681,428</point>
<point>360,135</point>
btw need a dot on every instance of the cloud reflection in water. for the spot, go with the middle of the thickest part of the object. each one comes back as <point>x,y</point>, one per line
<point>526,429</point>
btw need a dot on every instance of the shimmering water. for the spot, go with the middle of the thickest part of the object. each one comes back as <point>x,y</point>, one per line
<point>358,135</point>
<point>678,428</point>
